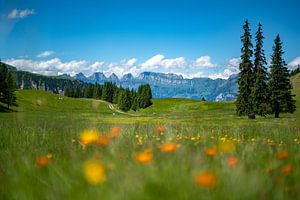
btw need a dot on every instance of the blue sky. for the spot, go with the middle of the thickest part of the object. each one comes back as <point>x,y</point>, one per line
<point>189,37</point>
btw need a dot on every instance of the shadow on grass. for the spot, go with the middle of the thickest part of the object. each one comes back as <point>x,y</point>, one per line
<point>5,109</point>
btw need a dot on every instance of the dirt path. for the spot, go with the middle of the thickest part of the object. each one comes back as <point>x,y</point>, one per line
<point>114,109</point>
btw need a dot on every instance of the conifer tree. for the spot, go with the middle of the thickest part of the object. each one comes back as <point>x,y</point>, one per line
<point>108,92</point>
<point>125,100</point>
<point>280,87</point>
<point>3,84</point>
<point>9,95</point>
<point>245,81</point>
<point>259,91</point>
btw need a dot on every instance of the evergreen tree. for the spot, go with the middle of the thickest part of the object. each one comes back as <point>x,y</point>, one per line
<point>97,91</point>
<point>108,92</point>
<point>9,95</point>
<point>245,81</point>
<point>125,100</point>
<point>259,92</point>
<point>280,86</point>
<point>3,83</point>
<point>135,103</point>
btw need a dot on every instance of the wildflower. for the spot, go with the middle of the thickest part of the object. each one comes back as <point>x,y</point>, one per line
<point>206,179</point>
<point>94,172</point>
<point>282,155</point>
<point>42,161</point>
<point>102,141</point>
<point>211,151</point>
<point>226,146</point>
<point>232,161</point>
<point>161,129</point>
<point>169,147</point>
<point>144,157</point>
<point>287,169</point>
<point>49,156</point>
<point>89,136</point>
<point>114,132</point>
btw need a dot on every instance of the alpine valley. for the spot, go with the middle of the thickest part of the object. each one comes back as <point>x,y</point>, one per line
<point>171,85</point>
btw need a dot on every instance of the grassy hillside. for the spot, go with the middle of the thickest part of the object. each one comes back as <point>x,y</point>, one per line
<point>176,149</point>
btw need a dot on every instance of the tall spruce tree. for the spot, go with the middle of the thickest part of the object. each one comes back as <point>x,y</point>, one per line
<point>9,94</point>
<point>124,100</point>
<point>259,91</point>
<point>3,84</point>
<point>243,103</point>
<point>280,87</point>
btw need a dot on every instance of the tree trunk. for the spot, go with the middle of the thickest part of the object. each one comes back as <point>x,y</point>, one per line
<point>276,114</point>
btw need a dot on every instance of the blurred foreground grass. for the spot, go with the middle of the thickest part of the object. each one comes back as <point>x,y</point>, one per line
<point>177,149</point>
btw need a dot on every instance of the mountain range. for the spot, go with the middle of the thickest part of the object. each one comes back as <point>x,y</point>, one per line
<point>170,85</point>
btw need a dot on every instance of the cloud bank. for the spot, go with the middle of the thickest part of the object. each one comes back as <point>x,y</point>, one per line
<point>202,66</point>
<point>19,14</point>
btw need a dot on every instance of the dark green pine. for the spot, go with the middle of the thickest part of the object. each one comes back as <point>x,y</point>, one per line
<point>281,97</point>
<point>245,81</point>
<point>259,92</point>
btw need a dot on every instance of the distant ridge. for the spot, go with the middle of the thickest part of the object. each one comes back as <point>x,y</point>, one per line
<point>162,85</point>
<point>172,85</point>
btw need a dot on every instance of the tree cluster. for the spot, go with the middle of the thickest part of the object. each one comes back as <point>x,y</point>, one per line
<point>125,98</point>
<point>7,86</point>
<point>262,92</point>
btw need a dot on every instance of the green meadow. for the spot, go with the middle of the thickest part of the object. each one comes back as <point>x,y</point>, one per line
<point>260,159</point>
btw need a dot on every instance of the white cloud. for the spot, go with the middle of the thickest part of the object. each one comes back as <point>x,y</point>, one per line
<point>234,62</point>
<point>45,54</point>
<point>19,14</point>
<point>131,62</point>
<point>159,62</point>
<point>294,63</point>
<point>204,62</point>
<point>175,63</point>
<point>153,62</point>
<point>55,66</point>
<point>201,67</point>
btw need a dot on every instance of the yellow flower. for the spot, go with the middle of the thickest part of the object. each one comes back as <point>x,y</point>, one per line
<point>94,172</point>
<point>169,147</point>
<point>89,136</point>
<point>226,146</point>
<point>50,156</point>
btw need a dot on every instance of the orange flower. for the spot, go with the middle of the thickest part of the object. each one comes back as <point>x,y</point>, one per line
<point>287,169</point>
<point>114,132</point>
<point>282,155</point>
<point>206,179</point>
<point>144,157</point>
<point>102,141</point>
<point>232,161</point>
<point>169,147</point>
<point>211,151</point>
<point>88,137</point>
<point>94,172</point>
<point>42,161</point>
<point>161,129</point>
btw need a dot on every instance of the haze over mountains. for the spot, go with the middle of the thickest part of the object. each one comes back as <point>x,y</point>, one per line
<point>171,85</point>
